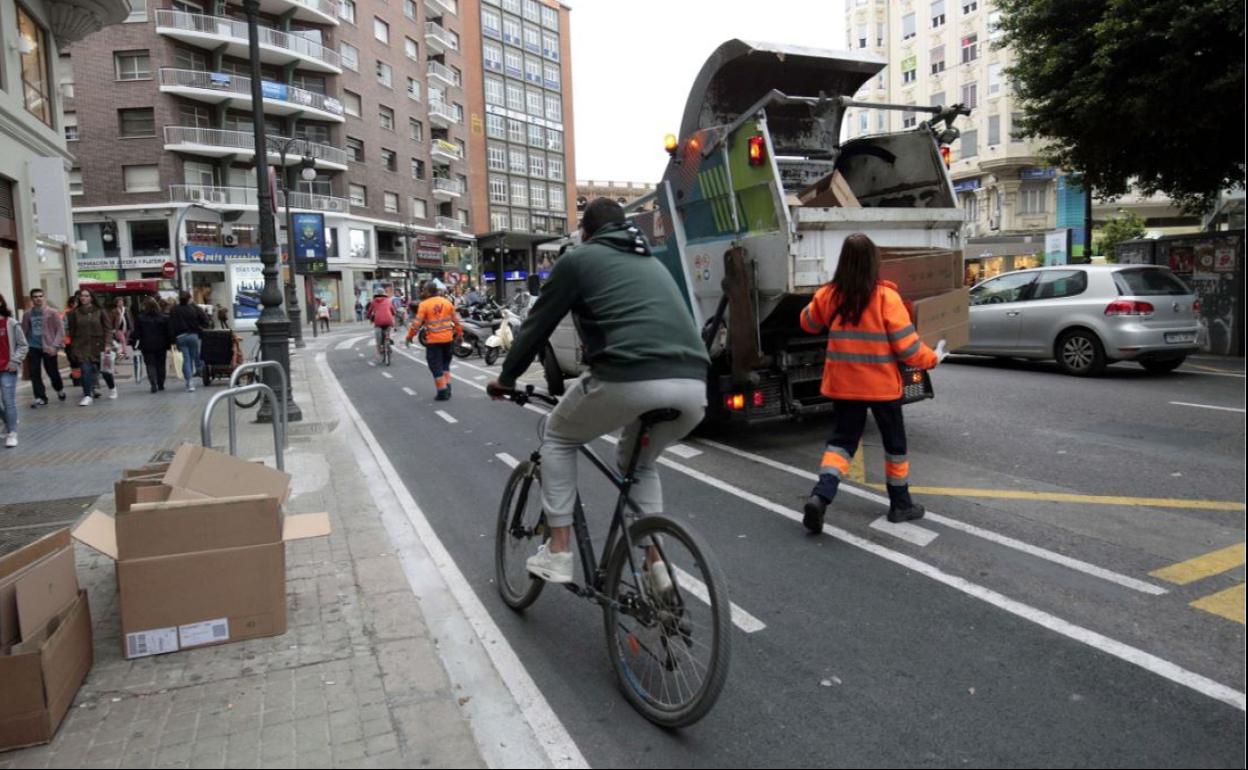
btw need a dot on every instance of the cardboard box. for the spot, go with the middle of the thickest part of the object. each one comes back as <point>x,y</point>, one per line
<point>199,571</point>
<point>944,316</point>
<point>126,492</point>
<point>922,274</point>
<point>214,474</point>
<point>830,191</point>
<point>51,652</point>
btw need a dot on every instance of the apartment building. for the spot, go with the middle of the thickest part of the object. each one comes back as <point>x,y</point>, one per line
<point>36,237</point>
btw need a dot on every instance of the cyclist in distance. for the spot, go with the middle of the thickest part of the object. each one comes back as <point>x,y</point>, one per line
<point>644,353</point>
<point>381,313</point>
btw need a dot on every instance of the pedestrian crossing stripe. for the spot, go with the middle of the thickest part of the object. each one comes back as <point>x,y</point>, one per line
<point>1228,604</point>
<point>1203,566</point>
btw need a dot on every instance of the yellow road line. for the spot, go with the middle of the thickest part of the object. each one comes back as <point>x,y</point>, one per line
<point>1228,604</point>
<point>857,468</point>
<point>1063,497</point>
<point>1203,566</point>
<point>1214,369</point>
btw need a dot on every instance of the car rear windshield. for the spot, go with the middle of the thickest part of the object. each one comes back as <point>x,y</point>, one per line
<point>1149,283</point>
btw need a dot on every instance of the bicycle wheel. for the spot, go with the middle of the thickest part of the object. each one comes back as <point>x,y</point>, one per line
<point>670,652</point>
<point>247,400</point>
<point>389,350</point>
<point>521,529</point>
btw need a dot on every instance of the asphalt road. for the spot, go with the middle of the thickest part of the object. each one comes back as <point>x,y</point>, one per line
<point>981,647</point>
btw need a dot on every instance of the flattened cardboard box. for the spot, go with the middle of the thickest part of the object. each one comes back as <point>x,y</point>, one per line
<point>215,474</point>
<point>14,566</point>
<point>944,316</point>
<point>923,274</point>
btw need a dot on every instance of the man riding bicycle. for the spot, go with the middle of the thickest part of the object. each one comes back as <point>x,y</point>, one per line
<point>381,313</point>
<point>644,353</point>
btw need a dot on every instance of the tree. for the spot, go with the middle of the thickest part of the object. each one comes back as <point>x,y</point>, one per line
<point>1147,93</point>
<point>1124,228</point>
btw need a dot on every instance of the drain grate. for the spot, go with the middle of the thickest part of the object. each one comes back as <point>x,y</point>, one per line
<point>23,523</point>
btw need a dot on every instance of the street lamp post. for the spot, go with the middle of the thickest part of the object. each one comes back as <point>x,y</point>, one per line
<point>109,235</point>
<point>273,325</point>
<point>307,172</point>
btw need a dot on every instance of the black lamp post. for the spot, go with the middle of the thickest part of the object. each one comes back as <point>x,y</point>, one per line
<point>307,172</point>
<point>273,325</point>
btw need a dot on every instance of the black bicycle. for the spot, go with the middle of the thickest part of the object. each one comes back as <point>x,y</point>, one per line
<point>663,595</point>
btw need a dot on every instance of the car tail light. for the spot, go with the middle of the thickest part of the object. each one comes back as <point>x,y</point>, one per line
<point>759,399</point>
<point>1196,307</point>
<point>734,402</point>
<point>1129,307</point>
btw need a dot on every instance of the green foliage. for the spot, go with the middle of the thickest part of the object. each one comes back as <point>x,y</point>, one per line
<point>1143,92</point>
<point>1124,228</point>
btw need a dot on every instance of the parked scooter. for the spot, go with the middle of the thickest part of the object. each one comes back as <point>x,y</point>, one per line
<point>479,324</point>
<point>500,342</point>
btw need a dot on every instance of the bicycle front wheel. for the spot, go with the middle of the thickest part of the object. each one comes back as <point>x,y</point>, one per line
<point>247,400</point>
<point>669,631</point>
<point>521,529</point>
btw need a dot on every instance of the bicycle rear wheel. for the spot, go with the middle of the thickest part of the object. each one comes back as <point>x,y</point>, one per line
<point>670,651</point>
<point>521,529</point>
<point>247,400</point>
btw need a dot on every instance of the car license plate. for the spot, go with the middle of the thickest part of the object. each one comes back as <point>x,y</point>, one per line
<point>1180,338</point>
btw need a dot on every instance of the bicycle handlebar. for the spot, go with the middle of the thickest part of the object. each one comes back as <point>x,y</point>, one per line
<point>530,392</point>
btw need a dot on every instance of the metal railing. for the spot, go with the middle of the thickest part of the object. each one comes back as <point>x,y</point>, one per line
<point>205,425</point>
<point>324,7</point>
<point>237,29</point>
<point>257,366</point>
<point>449,224</point>
<point>246,196</point>
<point>443,147</point>
<point>453,186</point>
<point>239,86</point>
<point>440,7</point>
<point>435,31</point>
<point>440,70</point>
<point>444,111</point>
<point>246,141</point>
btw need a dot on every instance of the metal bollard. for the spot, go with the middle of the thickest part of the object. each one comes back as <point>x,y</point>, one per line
<point>205,427</point>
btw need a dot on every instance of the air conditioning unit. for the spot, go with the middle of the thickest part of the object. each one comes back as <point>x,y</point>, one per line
<point>229,239</point>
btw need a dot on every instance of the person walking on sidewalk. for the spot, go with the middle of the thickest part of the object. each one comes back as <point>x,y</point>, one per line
<point>869,332</point>
<point>45,334</point>
<point>188,321</point>
<point>437,317</point>
<point>154,336</point>
<point>12,352</point>
<point>90,330</point>
<point>322,314</point>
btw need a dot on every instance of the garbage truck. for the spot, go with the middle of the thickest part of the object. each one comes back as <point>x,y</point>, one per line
<point>758,196</point>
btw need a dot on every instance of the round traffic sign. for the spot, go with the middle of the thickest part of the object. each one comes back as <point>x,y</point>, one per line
<point>168,270</point>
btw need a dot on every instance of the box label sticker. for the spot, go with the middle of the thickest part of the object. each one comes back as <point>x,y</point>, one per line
<point>153,642</point>
<point>207,632</point>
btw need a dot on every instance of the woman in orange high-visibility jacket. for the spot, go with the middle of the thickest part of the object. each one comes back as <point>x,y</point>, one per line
<point>869,331</point>
<point>436,315</point>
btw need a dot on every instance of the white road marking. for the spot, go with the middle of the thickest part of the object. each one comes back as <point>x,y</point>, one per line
<point>352,342</point>
<point>905,530</point>
<point>387,375</point>
<point>507,459</point>
<point>372,363</point>
<point>683,450</point>
<point>1209,406</point>
<point>479,377</point>
<point>409,391</point>
<point>446,417</point>
<point>361,355</point>
<point>462,624</point>
<point>1126,652</point>
<point>1041,553</point>
<point>740,618</point>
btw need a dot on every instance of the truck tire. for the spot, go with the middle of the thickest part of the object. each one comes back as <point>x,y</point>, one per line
<point>554,374</point>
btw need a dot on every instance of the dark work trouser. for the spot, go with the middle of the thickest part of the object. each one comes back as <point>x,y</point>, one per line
<point>438,356</point>
<point>155,363</point>
<point>39,363</point>
<point>850,421</point>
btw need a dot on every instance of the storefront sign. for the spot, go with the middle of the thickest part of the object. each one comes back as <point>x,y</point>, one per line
<point>309,249</point>
<point>127,263</point>
<point>515,275</point>
<point>201,254</point>
<point>966,185</point>
<point>1033,173</point>
<point>427,250</point>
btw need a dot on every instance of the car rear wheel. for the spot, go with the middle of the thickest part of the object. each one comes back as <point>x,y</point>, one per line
<point>1163,366</point>
<point>1080,353</point>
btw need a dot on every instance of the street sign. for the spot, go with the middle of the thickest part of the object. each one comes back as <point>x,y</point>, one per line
<point>169,270</point>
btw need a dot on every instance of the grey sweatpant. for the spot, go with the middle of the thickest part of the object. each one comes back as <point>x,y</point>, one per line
<point>593,407</point>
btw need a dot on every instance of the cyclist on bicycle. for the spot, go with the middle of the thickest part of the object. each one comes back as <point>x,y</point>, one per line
<point>381,313</point>
<point>644,353</point>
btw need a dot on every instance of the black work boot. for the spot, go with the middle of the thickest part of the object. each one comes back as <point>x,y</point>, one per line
<point>814,509</point>
<point>901,507</point>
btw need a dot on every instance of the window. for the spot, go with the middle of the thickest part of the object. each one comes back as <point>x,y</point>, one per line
<point>413,89</point>
<point>554,140</point>
<point>537,194</point>
<point>520,220</point>
<point>1056,284</point>
<point>909,69</point>
<point>519,192</point>
<point>515,97</point>
<point>346,10</point>
<point>511,30</point>
<point>138,11</point>
<point>970,94</point>
<point>418,168</point>
<point>970,6</point>
<point>519,161</point>
<point>550,18</point>
<point>358,194</point>
<point>994,79</point>
<point>498,189</point>
<point>908,119</point>
<point>351,103</point>
<point>496,126</point>
<point>391,202</point>
<point>389,160</point>
<point>355,149</point>
<point>409,8</point>
<point>938,13</point>
<point>1149,282</point>
<point>1032,199</point>
<point>141,178</point>
<point>131,65</point>
<point>511,5</point>
<point>554,107</point>
<point>907,26</point>
<point>381,30</point>
<point>861,29</point>
<point>994,130</point>
<point>350,56</point>
<point>71,126</point>
<point>550,74</point>
<point>515,131</point>
<point>186,59</point>
<point>496,157</point>
<point>513,62</point>
<point>499,220</point>
<point>75,181</point>
<point>534,102</point>
<point>361,244</point>
<point>550,47</point>
<point>1011,287</point>
<point>385,74</point>
<point>140,122</point>
<point>530,10</point>
<point>197,173</point>
<point>970,146</point>
<point>537,136</point>
<point>1016,123</point>
<point>938,99</point>
<point>537,165</point>
<point>970,48</point>
<point>194,116</point>
<point>494,92</point>
<point>385,116</point>
<point>994,25</point>
<point>532,39</point>
<point>313,132</point>
<point>419,209</point>
<point>532,70</point>
<point>492,54</point>
<point>879,34</point>
<point>938,59</point>
<point>558,199</point>
<point>491,22</point>
<point>411,49</point>
<point>555,170</point>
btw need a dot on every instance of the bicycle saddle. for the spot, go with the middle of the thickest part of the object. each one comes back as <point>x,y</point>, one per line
<point>660,415</point>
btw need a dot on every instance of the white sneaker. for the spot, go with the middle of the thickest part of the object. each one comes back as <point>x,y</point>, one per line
<point>190,388</point>
<point>86,401</point>
<point>10,441</point>
<point>659,578</point>
<point>551,567</point>
<point>112,394</point>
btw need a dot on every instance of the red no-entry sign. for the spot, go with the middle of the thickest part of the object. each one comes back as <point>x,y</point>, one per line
<point>168,270</point>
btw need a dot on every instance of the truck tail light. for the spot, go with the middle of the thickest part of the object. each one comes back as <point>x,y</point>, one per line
<point>945,154</point>
<point>734,402</point>
<point>759,400</point>
<point>1196,307</point>
<point>1129,307</point>
<point>758,150</point>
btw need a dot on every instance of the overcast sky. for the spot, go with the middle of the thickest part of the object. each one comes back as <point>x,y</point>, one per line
<point>633,63</point>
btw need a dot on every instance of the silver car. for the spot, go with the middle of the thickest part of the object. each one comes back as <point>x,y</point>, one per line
<point>1086,317</point>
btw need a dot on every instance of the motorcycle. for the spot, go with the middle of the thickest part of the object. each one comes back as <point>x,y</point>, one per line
<point>500,341</point>
<point>479,325</point>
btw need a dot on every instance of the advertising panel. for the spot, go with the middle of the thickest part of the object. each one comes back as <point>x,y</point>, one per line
<point>246,284</point>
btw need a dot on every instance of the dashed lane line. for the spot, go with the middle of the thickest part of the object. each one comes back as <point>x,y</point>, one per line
<point>446,417</point>
<point>1209,406</point>
<point>409,391</point>
<point>507,459</point>
<point>387,375</point>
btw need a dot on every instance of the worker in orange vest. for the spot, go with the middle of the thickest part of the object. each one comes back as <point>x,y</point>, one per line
<point>437,317</point>
<point>869,332</point>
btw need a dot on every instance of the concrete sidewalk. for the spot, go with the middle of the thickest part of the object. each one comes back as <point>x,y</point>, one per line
<point>356,681</point>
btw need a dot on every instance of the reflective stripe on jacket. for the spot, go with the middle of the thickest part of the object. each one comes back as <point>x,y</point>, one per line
<point>862,359</point>
<point>438,317</point>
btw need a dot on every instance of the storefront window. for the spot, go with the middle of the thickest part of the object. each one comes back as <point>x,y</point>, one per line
<point>33,47</point>
<point>359,244</point>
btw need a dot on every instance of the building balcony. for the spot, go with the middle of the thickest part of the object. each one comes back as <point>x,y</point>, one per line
<point>217,33</point>
<point>71,20</point>
<point>438,39</point>
<point>447,189</point>
<point>442,114</point>
<point>313,11</point>
<point>444,73</point>
<point>438,8</point>
<point>449,224</point>
<point>440,149</point>
<point>235,92</point>
<point>220,143</point>
<point>246,198</point>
